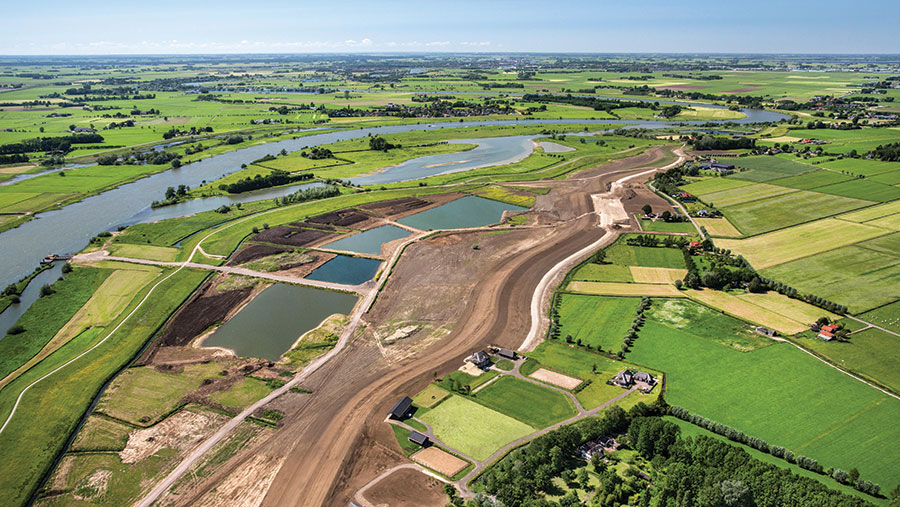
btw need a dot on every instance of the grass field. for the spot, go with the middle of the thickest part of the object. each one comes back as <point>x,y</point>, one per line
<point>871,353</point>
<point>603,273</point>
<point>242,393</point>
<point>430,396</point>
<point>585,365</point>
<point>862,189</point>
<point>596,320</point>
<point>622,254</point>
<point>743,194</point>
<point>474,429</point>
<point>153,253</point>
<point>890,222</point>
<point>786,245</point>
<point>719,227</point>
<point>143,395</point>
<point>747,309</point>
<point>625,289</point>
<point>706,322</point>
<point>765,168</point>
<point>779,394</point>
<point>859,278</point>
<point>660,226</point>
<point>708,186</point>
<point>887,316</point>
<point>101,434</point>
<point>764,215</point>
<point>530,403</point>
<point>811,180</point>
<point>872,213</point>
<point>793,309</point>
<point>60,400</point>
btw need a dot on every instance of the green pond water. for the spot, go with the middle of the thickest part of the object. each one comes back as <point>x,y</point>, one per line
<point>268,326</point>
<point>469,211</point>
<point>369,241</point>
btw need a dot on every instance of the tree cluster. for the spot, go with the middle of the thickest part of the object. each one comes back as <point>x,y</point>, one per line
<point>711,142</point>
<point>49,144</point>
<point>308,194</point>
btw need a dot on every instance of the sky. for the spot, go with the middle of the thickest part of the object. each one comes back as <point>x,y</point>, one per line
<point>353,26</point>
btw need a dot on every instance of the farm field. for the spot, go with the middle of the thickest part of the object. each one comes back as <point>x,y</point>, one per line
<point>706,322</point>
<point>243,393</point>
<point>720,227</point>
<point>708,186</point>
<point>622,254</point>
<point>642,274</point>
<point>532,404</point>
<point>859,278</point>
<point>887,316</point>
<point>747,308</point>
<point>430,396</point>
<point>862,189</point>
<point>786,245</point>
<point>598,321</point>
<point>660,226</point>
<point>870,353</point>
<point>812,180</point>
<point>603,272</point>
<point>744,194</point>
<point>625,289</point>
<point>737,389</point>
<point>474,429</point>
<point>765,215</point>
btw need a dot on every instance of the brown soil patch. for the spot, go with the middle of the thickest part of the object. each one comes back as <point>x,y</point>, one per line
<point>207,308</point>
<point>251,252</point>
<point>340,218</point>
<point>307,225</point>
<point>302,270</point>
<point>246,487</point>
<point>407,488</point>
<point>440,461</point>
<point>557,379</point>
<point>181,431</point>
<point>396,206</point>
<point>292,236</point>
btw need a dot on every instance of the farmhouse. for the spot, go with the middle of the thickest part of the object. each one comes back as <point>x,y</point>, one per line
<point>623,379</point>
<point>702,213</point>
<point>507,354</point>
<point>418,438</point>
<point>402,409</point>
<point>826,332</point>
<point>480,359</point>
<point>627,378</point>
<point>717,167</point>
<point>82,130</point>
<point>591,448</point>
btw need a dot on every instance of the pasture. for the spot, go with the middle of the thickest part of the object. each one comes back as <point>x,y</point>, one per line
<point>747,309</point>
<point>708,186</point>
<point>661,226</point>
<point>862,189</point>
<point>779,247</point>
<point>814,411</point>
<point>741,195</point>
<point>625,289</point>
<point>473,429</point>
<point>871,353</point>
<point>764,215</point>
<point>622,254</point>
<point>596,320</point>
<point>719,227</point>
<point>811,180</point>
<point>150,252</point>
<point>706,322</point>
<point>530,403</point>
<point>244,392</point>
<point>430,396</point>
<point>642,274</point>
<point>887,316</point>
<point>603,273</point>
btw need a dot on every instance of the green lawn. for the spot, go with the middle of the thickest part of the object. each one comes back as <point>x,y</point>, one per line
<point>598,321</point>
<point>473,429</point>
<point>430,396</point>
<point>660,226</point>
<point>779,394</point>
<point>532,404</point>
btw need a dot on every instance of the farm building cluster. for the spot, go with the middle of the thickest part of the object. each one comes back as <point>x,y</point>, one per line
<point>640,379</point>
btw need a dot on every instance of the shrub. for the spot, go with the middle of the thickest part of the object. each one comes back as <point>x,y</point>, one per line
<point>16,329</point>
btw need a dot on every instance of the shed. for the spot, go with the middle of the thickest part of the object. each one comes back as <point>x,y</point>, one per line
<point>418,438</point>
<point>402,408</point>
<point>507,354</point>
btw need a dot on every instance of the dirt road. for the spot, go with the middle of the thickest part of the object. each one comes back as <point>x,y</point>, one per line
<point>327,436</point>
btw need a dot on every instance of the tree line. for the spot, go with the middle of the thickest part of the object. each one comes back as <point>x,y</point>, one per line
<point>60,144</point>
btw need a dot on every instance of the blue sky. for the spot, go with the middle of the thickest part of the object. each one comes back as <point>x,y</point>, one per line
<point>282,26</point>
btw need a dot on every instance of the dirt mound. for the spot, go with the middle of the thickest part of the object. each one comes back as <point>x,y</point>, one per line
<point>250,252</point>
<point>341,218</point>
<point>293,236</point>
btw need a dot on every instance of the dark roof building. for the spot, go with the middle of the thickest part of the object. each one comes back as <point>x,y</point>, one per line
<point>418,438</point>
<point>480,358</point>
<point>507,354</point>
<point>402,409</point>
<point>624,378</point>
<point>643,376</point>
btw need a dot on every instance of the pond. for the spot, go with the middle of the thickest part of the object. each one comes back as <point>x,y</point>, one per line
<point>270,324</point>
<point>346,270</point>
<point>370,241</point>
<point>469,211</point>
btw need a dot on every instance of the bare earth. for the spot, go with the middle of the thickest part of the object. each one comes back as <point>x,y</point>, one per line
<point>557,379</point>
<point>436,459</point>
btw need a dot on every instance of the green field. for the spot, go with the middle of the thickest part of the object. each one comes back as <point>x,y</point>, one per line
<point>603,273</point>
<point>862,189</point>
<point>101,433</point>
<point>430,396</point>
<point>764,215</point>
<point>530,403</point>
<point>705,322</point>
<point>871,353</point>
<point>887,316</point>
<point>709,185</point>
<point>660,226</point>
<point>242,393</point>
<point>473,429</point>
<point>779,394</point>
<point>597,321</point>
<point>60,400</point>
<point>622,254</point>
<point>766,168</point>
<point>811,180</point>
<point>740,195</point>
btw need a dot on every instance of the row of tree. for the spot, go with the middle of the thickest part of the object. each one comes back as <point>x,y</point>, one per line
<point>49,144</point>
<point>308,194</point>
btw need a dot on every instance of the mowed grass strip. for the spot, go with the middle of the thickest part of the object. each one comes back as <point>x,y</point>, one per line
<point>744,194</point>
<point>782,211</point>
<point>786,245</point>
<point>863,189</point>
<point>643,274</point>
<point>719,227</point>
<point>872,213</point>
<point>811,180</point>
<point>473,429</point>
<point>596,320</point>
<point>625,289</point>
<point>780,394</point>
<point>746,310</point>
<point>150,252</point>
<point>532,404</point>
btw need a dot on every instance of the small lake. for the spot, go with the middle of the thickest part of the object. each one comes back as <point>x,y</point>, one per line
<point>346,270</point>
<point>469,211</point>
<point>370,241</point>
<point>270,324</point>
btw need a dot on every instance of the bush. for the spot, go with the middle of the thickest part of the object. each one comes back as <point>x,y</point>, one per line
<point>67,268</point>
<point>16,329</point>
<point>46,290</point>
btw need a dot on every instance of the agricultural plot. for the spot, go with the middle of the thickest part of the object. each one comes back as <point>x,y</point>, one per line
<point>888,178</point>
<point>811,180</point>
<point>474,429</point>
<point>622,254</point>
<point>440,461</point>
<point>101,434</point>
<point>859,278</point>
<point>642,274</point>
<point>153,253</point>
<point>719,227</point>
<point>766,168</point>
<point>887,316</point>
<point>708,186</point>
<point>872,212</point>
<point>751,392</point>
<point>740,195</point>
<point>430,396</point>
<point>860,166</point>
<point>705,322</point>
<point>888,222</point>
<point>625,289</point>
<point>793,309</point>
<point>747,309</point>
<point>596,320</point>
<point>871,353</point>
<point>530,403</point>
<point>786,245</point>
<point>781,211</point>
<point>603,273</point>
<point>244,392</point>
<point>862,189</point>
<point>661,226</point>
<point>556,379</point>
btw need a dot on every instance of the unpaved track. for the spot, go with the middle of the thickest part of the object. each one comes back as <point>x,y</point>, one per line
<point>322,438</point>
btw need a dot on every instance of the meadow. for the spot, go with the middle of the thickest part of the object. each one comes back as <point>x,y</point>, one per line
<point>887,316</point>
<point>244,392</point>
<point>473,429</point>
<point>530,403</point>
<point>779,394</point>
<point>870,353</point>
<point>770,214</point>
<point>596,320</point>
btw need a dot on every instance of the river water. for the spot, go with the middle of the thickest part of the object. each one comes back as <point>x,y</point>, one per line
<point>70,228</point>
